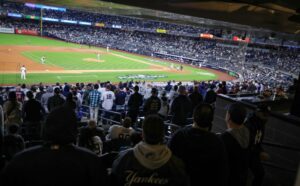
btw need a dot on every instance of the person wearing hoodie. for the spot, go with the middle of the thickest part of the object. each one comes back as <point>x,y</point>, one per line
<point>256,123</point>
<point>236,139</point>
<point>202,151</point>
<point>150,162</point>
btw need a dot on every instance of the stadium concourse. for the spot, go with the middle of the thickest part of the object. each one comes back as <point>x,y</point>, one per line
<point>71,126</point>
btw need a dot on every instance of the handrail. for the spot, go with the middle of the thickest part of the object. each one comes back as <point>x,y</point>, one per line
<point>110,112</point>
<point>281,146</point>
<point>278,167</point>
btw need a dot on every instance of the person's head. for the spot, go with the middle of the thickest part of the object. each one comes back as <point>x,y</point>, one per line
<point>127,122</point>
<point>61,126</point>
<point>154,91</point>
<point>153,130</point>
<point>136,88</point>
<point>196,89</point>
<point>29,94</point>
<point>92,124</point>
<point>56,90</point>
<point>175,88</point>
<point>182,90</point>
<point>203,115</point>
<point>50,89</point>
<point>96,87</point>
<point>41,88</point>
<point>108,87</point>
<point>12,96</point>
<point>13,129</point>
<point>235,115</point>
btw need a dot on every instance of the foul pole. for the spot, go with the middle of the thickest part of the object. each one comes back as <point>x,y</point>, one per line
<point>41,22</point>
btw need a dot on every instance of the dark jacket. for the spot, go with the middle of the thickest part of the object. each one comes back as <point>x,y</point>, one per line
<point>41,165</point>
<point>196,98</point>
<point>203,154</point>
<point>256,128</point>
<point>32,111</point>
<point>237,147</point>
<point>152,105</point>
<point>135,101</point>
<point>181,108</point>
<point>148,165</point>
<point>55,101</point>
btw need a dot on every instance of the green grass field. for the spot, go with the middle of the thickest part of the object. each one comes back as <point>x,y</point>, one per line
<point>76,61</point>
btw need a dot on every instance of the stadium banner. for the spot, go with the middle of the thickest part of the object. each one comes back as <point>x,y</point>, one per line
<point>31,5</point>
<point>26,32</point>
<point>116,26</point>
<point>100,24</point>
<point>84,23</point>
<point>14,15</point>
<point>49,19</point>
<point>68,21</point>
<point>205,35</point>
<point>236,38</point>
<point>7,30</point>
<point>162,31</point>
<point>32,17</point>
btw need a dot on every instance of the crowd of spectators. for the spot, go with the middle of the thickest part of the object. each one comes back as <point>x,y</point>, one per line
<point>273,67</point>
<point>54,119</point>
<point>146,25</point>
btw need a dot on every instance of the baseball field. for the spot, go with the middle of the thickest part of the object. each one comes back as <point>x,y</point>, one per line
<point>68,62</point>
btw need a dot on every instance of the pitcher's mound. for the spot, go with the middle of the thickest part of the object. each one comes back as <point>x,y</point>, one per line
<point>92,60</point>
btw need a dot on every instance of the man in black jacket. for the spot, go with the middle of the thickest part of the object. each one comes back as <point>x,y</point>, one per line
<point>256,122</point>
<point>181,108</point>
<point>201,150</point>
<point>152,104</point>
<point>56,100</point>
<point>236,140</point>
<point>134,103</point>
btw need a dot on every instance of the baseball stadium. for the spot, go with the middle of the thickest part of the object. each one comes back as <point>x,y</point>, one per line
<point>68,62</point>
<point>150,93</point>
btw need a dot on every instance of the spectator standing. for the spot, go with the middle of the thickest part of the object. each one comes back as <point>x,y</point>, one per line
<point>181,108</point>
<point>256,123</point>
<point>107,99</point>
<point>152,104</point>
<point>120,99</point>
<point>134,103</point>
<point>39,94</point>
<point>56,100</point>
<point>32,110</point>
<point>150,162</point>
<point>12,110</point>
<point>201,150</point>
<point>45,98</point>
<point>236,140</point>
<point>195,97</point>
<point>94,103</point>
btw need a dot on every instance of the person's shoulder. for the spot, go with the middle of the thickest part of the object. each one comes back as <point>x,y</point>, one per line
<point>29,152</point>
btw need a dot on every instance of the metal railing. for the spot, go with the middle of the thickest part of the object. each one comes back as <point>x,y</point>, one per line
<point>114,117</point>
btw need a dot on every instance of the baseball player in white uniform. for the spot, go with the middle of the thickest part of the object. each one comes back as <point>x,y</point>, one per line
<point>23,72</point>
